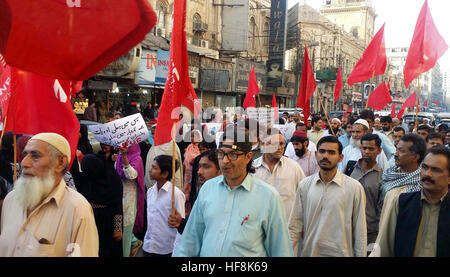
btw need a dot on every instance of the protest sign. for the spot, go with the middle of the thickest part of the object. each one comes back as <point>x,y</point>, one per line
<point>131,129</point>
<point>263,115</point>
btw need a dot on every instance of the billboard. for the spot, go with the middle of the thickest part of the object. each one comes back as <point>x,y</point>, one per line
<point>147,68</point>
<point>277,43</point>
<point>235,17</point>
<point>162,66</point>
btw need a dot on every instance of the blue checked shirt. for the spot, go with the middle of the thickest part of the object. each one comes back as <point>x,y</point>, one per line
<point>248,221</point>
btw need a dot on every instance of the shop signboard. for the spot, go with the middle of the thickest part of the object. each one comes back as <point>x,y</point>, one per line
<point>147,68</point>
<point>162,66</point>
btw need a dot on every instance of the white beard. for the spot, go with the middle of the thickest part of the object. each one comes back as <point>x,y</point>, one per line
<point>355,143</point>
<point>30,191</point>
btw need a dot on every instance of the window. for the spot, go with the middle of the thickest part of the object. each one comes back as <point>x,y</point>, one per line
<point>197,35</point>
<point>252,33</point>
<point>266,33</point>
<point>161,11</point>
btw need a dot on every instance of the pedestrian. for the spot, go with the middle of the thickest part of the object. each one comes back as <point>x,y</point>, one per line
<point>101,113</point>
<point>101,186</point>
<point>424,131</point>
<point>345,139</point>
<point>90,112</point>
<point>159,239</point>
<point>130,167</point>
<point>405,175</point>
<point>336,127</point>
<point>352,153</point>
<point>273,168</point>
<point>442,129</point>
<point>369,174</point>
<point>329,209</point>
<point>149,112</point>
<point>417,225</point>
<point>377,124</point>
<point>386,143</point>
<point>386,127</point>
<point>191,152</point>
<point>208,168</point>
<point>434,139</point>
<point>41,199</point>
<point>305,157</point>
<point>316,133</point>
<point>229,219</point>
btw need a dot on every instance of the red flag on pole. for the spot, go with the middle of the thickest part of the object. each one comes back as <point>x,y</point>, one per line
<point>380,97</point>
<point>410,102</point>
<point>275,107</point>
<point>178,90</point>
<point>307,86</point>
<point>252,90</point>
<point>393,111</point>
<point>436,102</point>
<point>373,61</point>
<point>39,104</point>
<point>349,110</point>
<point>31,31</point>
<point>426,103</point>
<point>338,86</point>
<point>426,48</point>
<point>5,90</point>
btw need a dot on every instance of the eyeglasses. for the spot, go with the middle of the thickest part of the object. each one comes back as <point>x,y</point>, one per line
<point>232,156</point>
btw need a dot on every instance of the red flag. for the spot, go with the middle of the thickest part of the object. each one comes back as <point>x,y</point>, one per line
<point>349,110</point>
<point>373,61</point>
<point>338,86</point>
<point>31,35</point>
<point>426,103</point>
<point>5,90</point>
<point>410,102</point>
<point>426,48</point>
<point>178,90</point>
<point>275,107</point>
<point>39,104</point>
<point>436,102</point>
<point>307,86</point>
<point>252,90</point>
<point>380,97</point>
<point>393,111</point>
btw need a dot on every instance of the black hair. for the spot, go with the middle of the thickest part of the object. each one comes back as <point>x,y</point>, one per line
<point>330,139</point>
<point>386,119</point>
<point>3,188</point>
<point>443,127</point>
<point>212,156</point>
<point>109,115</point>
<point>352,121</point>
<point>441,150</point>
<point>210,145</point>
<point>281,121</point>
<point>367,114</point>
<point>315,119</point>
<point>370,137</point>
<point>165,164</point>
<point>300,124</point>
<point>398,129</point>
<point>435,136</point>
<point>239,136</point>
<point>418,145</point>
<point>426,128</point>
<point>286,113</point>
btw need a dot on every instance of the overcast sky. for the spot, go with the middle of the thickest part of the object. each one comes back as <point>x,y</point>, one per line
<point>400,17</point>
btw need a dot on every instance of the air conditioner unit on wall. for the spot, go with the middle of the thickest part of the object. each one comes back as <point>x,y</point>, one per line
<point>204,43</point>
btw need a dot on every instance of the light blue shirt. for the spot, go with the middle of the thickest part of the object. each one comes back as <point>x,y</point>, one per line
<point>248,221</point>
<point>345,140</point>
<point>386,143</point>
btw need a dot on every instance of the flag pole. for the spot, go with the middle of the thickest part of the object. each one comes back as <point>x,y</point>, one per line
<point>173,167</point>
<point>417,101</point>
<point>328,120</point>
<point>259,99</point>
<point>371,89</point>
<point>15,158</point>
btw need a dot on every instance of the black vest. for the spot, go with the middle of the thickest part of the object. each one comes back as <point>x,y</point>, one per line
<point>408,221</point>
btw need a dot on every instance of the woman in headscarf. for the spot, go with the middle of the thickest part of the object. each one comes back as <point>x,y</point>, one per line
<point>130,167</point>
<point>192,151</point>
<point>102,187</point>
<point>84,145</point>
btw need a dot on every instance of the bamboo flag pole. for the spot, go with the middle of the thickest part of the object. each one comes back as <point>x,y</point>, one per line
<point>417,101</point>
<point>371,89</point>
<point>173,167</point>
<point>259,99</point>
<point>328,120</point>
<point>15,158</point>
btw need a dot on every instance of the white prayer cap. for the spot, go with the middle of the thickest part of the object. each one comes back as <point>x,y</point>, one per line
<point>55,140</point>
<point>362,122</point>
<point>336,119</point>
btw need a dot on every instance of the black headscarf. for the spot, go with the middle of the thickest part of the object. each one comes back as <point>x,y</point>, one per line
<point>7,157</point>
<point>83,143</point>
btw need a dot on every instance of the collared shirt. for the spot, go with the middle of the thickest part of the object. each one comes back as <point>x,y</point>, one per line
<point>285,178</point>
<point>330,217</point>
<point>426,235</point>
<point>308,163</point>
<point>62,225</point>
<point>160,238</point>
<point>371,181</point>
<point>386,144</point>
<point>315,136</point>
<point>389,134</point>
<point>345,140</point>
<point>353,153</point>
<point>248,221</point>
<point>290,150</point>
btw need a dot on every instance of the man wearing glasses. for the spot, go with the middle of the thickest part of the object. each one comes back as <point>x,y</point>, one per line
<point>236,215</point>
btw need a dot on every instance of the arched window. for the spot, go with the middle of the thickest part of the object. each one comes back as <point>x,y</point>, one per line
<point>197,35</point>
<point>252,33</point>
<point>266,33</point>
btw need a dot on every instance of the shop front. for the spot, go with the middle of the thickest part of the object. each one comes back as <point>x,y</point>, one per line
<point>241,73</point>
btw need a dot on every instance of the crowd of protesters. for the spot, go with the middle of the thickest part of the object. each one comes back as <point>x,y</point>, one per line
<point>344,186</point>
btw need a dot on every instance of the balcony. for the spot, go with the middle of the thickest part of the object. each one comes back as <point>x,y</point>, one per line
<point>326,74</point>
<point>200,27</point>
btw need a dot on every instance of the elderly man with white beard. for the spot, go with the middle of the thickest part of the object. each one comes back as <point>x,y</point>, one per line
<point>352,153</point>
<point>42,217</point>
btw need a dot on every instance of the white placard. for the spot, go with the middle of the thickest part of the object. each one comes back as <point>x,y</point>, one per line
<point>282,128</point>
<point>131,129</point>
<point>263,115</point>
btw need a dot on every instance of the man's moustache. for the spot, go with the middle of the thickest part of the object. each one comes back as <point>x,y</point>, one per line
<point>425,179</point>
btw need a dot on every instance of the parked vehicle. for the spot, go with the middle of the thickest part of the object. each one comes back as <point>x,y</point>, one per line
<point>411,117</point>
<point>289,110</point>
<point>443,118</point>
